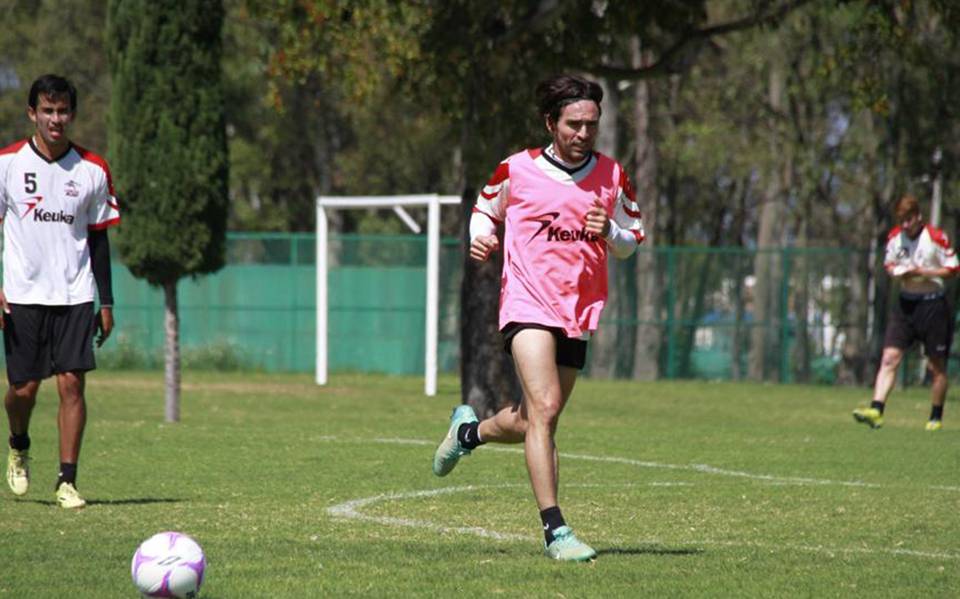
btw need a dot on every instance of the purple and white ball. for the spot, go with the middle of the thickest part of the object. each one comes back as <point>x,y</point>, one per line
<point>168,564</point>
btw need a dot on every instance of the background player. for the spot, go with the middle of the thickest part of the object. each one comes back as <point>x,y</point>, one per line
<point>920,257</point>
<point>56,202</point>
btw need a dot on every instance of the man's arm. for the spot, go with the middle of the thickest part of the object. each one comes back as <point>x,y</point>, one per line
<point>488,213</point>
<point>624,229</point>
<point>99,245</point>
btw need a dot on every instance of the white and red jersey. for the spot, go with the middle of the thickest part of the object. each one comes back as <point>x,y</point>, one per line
<point>47,208</point>
<point>931,249</point>
<point>555,272</point>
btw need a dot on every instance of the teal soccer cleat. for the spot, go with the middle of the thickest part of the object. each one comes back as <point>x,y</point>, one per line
<point>450,451</point>
<point>566,547</point>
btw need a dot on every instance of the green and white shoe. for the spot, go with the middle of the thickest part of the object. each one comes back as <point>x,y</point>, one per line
<point>18,471</point>
<point>567,547</point>
<point>449,451</point>
<point>69,498</point>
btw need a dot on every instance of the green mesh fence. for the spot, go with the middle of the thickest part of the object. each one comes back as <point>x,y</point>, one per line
<point>783,315</point>
<point>260,311</point>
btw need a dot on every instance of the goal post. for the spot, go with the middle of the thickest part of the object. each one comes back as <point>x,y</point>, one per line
<point>433,202</point>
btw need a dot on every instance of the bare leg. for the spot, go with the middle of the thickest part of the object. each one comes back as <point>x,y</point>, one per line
<point>19,402</point>
<point>938,388</point>
<point>534,353</point>
<point>509,425</point>
<point>72,417</point>
<point>887,374</point>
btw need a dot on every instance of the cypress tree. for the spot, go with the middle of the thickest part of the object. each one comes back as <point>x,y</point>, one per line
<point>167,148</point>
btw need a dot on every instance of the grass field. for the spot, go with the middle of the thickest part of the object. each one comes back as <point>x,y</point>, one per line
<point>686,490</point>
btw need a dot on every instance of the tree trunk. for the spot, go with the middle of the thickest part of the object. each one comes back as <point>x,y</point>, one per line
<point>171,321</point>
<point>763,287</point>
<point>801,305</point>
<point>487,377</point>
<point>768,237</point>
<point>603,356</point>
<point>854,353</point>
<point>648,335</point>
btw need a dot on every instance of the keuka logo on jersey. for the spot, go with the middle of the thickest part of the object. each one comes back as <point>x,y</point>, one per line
<point>559,233</point>
<point>46,216</point>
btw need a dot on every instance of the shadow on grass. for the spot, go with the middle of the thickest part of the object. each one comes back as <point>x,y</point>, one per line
<point>134,501</point>
<point>650,550</point>
<point>91,502</point>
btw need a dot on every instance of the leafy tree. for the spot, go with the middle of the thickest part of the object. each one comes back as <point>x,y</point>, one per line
<point>79,56</point>
<point>168,148</point>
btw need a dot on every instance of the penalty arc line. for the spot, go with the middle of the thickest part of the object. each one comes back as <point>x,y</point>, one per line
<point>351,510</point>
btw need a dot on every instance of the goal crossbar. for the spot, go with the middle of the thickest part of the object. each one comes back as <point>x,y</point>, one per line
<point>433,203</point>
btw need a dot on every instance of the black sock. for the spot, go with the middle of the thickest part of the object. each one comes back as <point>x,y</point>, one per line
<point>68,474</point>
<point>20,442</point>
<point>552,520</point>
<point>936,413</point>
<point>877,405</point>
<point>469,435</point>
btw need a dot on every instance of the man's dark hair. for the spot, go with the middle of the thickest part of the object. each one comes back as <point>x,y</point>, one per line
<point>556,92</point>
<point>52,86</point>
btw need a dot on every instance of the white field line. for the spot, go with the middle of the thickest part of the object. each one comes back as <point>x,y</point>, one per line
<point>703,468</point>
<point>350,510</point>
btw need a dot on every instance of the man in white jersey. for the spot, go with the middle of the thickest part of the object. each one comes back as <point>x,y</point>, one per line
<point>562,207</point>
<point>56,203</point>
<point>919,257</point>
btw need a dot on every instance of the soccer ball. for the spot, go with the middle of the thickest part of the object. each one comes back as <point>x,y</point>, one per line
<point>168,564</point>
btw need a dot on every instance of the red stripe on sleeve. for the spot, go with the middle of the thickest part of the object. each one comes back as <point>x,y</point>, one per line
<point>627,187</point>
<point>938,236</point>
<point>105,224</point>
<point>14,147</point>
<point>500,175</point>
<point>99,161</point>
<point>495,220</point>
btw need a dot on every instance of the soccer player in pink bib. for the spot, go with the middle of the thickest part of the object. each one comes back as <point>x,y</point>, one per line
<point>56,203</point>
<point>563,208</point>
<point>919,257</point>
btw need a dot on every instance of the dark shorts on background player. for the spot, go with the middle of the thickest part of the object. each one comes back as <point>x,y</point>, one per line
<point>924,318</point>
<point>39,341</point>
<point>570,352</point>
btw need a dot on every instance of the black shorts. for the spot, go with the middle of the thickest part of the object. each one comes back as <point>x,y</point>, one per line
<point>927,319</point>
<point>570,352</point>
<point>39,341</point>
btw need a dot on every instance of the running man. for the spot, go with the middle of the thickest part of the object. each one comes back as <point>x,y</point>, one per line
<point>919,257</point>
<point>563,208</point>
<point>56,203</point>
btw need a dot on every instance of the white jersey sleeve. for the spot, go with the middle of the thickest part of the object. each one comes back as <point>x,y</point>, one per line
<point>895,261</point>
<point>626,225</point>
<point>946,255</point>
<point>6,159</point>
<point>102,209</point>
<point>491,207</point>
